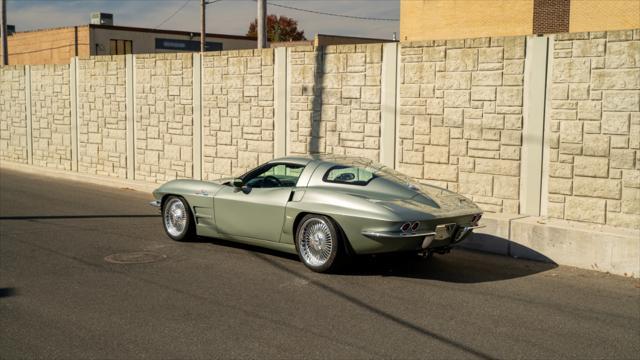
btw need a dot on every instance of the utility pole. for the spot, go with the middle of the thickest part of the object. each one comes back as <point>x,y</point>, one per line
<point>203,29</point>
<point>262,24</point>
<point>5,51</point>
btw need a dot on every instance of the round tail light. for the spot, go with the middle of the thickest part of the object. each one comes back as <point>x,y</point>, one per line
<point>405,227</point>
<point>415,226</point>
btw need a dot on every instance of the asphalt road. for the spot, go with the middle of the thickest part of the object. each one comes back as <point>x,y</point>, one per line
<point>60,298</point>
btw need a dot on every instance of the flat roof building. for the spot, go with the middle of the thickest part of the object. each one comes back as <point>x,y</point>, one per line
<point>59,45</point>
<point>456,19</point>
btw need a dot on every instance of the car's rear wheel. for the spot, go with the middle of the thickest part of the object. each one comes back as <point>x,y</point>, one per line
<point>177,219</point>
<point>318,243</point>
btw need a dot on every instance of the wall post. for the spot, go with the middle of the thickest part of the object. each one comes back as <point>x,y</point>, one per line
<point>73,84</point>
<point>27,89</point>
<point>388,99</point>
<point>534,95</point>
<point>197,116</point>
<point>130,103</point>
<point>280,102</point>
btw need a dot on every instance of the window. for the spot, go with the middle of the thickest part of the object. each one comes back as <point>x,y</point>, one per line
<point>351,175</point>
<point>120,47</point>
<point>274,175</point>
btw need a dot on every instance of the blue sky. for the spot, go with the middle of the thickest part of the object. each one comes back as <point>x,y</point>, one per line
<point>226,16</point>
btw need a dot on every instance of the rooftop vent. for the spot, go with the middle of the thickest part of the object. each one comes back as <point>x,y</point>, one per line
<point>100,18</point>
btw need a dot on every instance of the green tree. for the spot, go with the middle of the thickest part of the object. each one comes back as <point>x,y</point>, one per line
<point>279,28</point>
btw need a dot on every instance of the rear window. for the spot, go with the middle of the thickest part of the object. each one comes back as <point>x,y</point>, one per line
<point>351,175</point>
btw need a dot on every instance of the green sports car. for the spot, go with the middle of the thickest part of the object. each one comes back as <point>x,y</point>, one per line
<point>324,208</point>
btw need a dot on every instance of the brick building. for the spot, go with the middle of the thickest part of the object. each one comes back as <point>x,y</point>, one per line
<point>454,19</point>
<point>57,46</point>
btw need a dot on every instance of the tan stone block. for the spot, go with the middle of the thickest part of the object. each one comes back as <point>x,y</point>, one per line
<point>588,48</point>
<point>509,96</point>
<point>591,166</point>
<point>436,154</point>
<point>560,186</point>
<point>615,123</point>
<point>506,187</point>
<point>559,91</point>
<point>441,172</point>
<point>621,101</point>
<point>487,78</point>
<point>414,171</point>
<point>511,137</point>
<point>485,93</point>
<point>599,188</point>
<point>622,159</point>
<point>596,145</point>
<point>560,170</point>
<point>461,60</point>
<point>419,73</point>
<point>631,201</point>
<point>571,70</point>
<point>490,55</point>
<point>631,178</point>
<point>571,132</point>
<point>435,106</point>
<point>476,184</point>
<point>623,220</point>
<point>498,167</point>
<point>493,121</point>
<point>623,54</point>
<point>585,209</point>
<point>453,80</point>
<point>618,79</point>
<point>440,136</point>
<point>456,98</point>
<point>409,90</point>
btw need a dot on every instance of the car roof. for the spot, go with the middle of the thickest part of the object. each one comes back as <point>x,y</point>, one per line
<point>325,158</point>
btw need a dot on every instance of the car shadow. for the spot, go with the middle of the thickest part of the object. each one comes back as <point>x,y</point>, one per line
<point>459,266</point>
<point>62,217</point>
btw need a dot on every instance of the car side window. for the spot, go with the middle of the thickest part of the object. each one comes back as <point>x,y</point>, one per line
<point>351,175</point>
<point>277,175</point>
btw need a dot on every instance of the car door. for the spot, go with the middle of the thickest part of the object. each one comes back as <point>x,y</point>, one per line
<point>254,212</point>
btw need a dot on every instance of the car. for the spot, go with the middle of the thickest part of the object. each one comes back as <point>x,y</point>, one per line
<point>324,208</point>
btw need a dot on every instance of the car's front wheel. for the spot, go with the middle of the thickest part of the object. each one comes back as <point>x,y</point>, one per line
<point>177,219</point>
<point>318,243</point>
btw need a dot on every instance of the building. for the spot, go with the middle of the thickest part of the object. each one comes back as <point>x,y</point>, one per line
<point>323,40</point>
<point>57,46</point>
<point>454,19</point>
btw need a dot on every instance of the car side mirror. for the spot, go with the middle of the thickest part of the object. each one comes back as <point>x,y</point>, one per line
<point>237,183</point>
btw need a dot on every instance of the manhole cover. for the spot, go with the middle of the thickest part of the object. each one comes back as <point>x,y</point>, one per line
<point>139,257</point>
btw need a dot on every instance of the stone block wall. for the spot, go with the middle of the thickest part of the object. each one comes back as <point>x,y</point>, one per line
<point>594,130</point>
<point>164,116</point>
<point>334,100</point>
<point>51,116</point>
<point>460,123</point>
<point>237,111</point>
<point>459,106</point>
<point>13,114</point>
<point>102,116</point>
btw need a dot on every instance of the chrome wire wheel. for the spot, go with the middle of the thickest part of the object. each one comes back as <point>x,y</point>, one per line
<point>316,242</point>
<point>175,217</point>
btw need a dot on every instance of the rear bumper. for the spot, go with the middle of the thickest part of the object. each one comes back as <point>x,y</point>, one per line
<point>390,241</point>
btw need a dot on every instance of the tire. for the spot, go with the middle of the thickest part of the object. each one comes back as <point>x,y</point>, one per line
<point>177,219</point>
<point>319,243</point>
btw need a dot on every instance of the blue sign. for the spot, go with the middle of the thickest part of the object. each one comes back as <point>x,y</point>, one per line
<point>186,45</point>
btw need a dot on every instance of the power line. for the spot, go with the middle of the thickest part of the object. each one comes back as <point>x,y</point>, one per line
<point>172,15</point>
<point>331,14</point>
